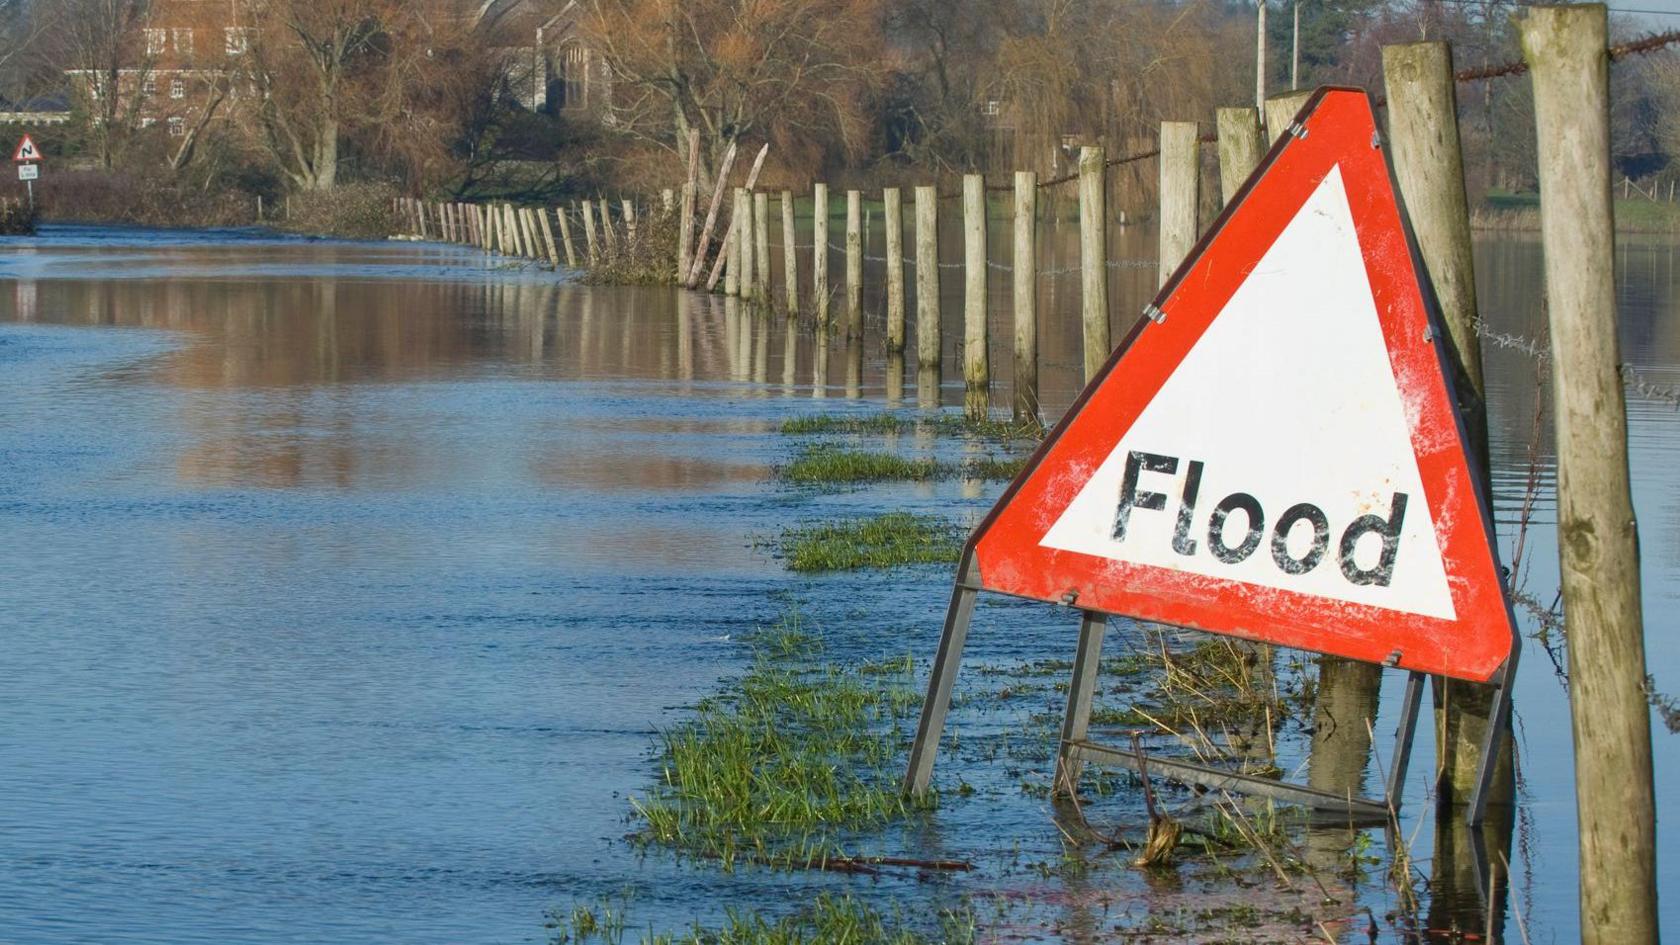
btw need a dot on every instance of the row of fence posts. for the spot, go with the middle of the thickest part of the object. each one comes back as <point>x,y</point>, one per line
<point>1566,48</point>
<point>524,232</point>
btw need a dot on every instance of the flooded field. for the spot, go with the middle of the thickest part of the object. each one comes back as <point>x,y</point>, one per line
<point>347,586</point>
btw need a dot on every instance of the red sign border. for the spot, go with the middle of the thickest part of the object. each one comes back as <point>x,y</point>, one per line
<point>1212,596</point>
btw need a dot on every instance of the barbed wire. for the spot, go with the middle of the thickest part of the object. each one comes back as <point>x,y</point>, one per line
<point>1541,353</point>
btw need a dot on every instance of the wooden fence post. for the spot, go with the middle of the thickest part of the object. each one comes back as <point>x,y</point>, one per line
<point>629,220</point>
<point>1598,539</point>
<point>566,236</point>
<point>893,209</point>
<point>752,181</point>
<point>1429,166</point>
<point>703,247</point>
<point>589,233</point>
<point>1026,298</point>
<point>790,255</point>
<point>1280,111</point>
<point>548,237</point>
<point>819,253</point>
<point>732,257</point>
<point>977,380</point>
<point>927,279</point>
<point>667,199</point>
<point>685,216</point>
<point>1240,149</point>
<point>854,264</point>
<point>761,240</point>
<point>1093,257</point>
<point>607,229</point>
<point>744,233</point>
<point>1181,172</point>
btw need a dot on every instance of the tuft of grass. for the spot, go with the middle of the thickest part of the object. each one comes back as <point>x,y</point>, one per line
<point>793,757</point>
<point>828,465</point>
<point>882,424</point>
<point>885,541</point>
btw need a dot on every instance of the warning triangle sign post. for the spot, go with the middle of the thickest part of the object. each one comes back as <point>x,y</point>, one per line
<point>1273,454</point>
<point>26,151</point>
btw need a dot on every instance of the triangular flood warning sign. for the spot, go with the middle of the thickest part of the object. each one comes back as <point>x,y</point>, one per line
<point>1278,457</point>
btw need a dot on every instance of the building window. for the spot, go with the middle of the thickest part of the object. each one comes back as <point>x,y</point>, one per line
<point>156,42</point>
<point>177,88</point>
<point>147,122</point>
<point>184,41</point>
<point>177,127</point>
<point>238,40</point>
<point>574,78</point>
<point>992,107</point>
<point>148,88</point>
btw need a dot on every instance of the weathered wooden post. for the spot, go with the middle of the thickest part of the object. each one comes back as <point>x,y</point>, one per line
<point>1598,539</point>
<point>761,240</point>
<point>1429,166</point>
<point>1181,172</point>
<point>607,230</point>
<point>752,181</point>
<point>1280,111</point>
<point>927,280</point>
<point>685,216</point>
<point>790,257</point>
<point>1240,149</point>
<point>893,209</point>
<point>819,253</point>
<point>667,199</point>
<point>1093,257</point>
<point>589,233</point>
<point>1026,298</point>
<point>629,220</point>
<point>977,370</point>
<point>703,247</point>
<point>732,252</point>
<point>854,264</point>
<point>566,236</point>
<point>528,226</point>
<point>548,237</point>
<point>744,238</point>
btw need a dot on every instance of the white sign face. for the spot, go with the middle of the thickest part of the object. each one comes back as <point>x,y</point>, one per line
<point>1308,481</point>
<point>29,172</point>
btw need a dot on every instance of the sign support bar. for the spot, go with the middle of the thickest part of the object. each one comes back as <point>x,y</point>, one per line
<point>931,726</point>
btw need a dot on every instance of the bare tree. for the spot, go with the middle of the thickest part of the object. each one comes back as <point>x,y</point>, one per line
<point>101,41</point>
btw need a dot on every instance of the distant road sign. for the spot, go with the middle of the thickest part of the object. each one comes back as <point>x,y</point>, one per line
<point>26,150</point>
<point>29,172</point>
<point>1276,454</point>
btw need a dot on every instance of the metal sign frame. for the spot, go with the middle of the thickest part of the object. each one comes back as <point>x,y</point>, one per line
<point>1075,749</point>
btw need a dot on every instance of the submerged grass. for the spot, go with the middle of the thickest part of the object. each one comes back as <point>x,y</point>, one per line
<point>827,465</point>
<point>779,769</point>
<point>881,424</point>
<point>829,919</point>
<point>885,541</point>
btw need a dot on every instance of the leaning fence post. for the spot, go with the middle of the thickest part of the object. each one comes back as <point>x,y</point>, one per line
<point>893,209</point>
<point>703,246</point>
<point>790,255</point>
<point>1429,166</point>
<point>589,233</point>
<point>976,363</point>
<point>1239,149</point>
<point>1181,171</point>
<point>1093,257</point>
<point>854,264</point>
<point>548,237</point>
<point>1026,298</point>
<point>607,230</point>
<point>1598,539</point>
<point>819,253</point>
<point>761,239</point>
<point>566,236</point>
<point>927,279</point>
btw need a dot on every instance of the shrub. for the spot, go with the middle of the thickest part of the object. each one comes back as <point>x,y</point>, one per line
<point>353,211</point>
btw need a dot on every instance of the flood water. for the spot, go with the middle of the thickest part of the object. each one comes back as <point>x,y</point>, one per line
<point>344,586</point>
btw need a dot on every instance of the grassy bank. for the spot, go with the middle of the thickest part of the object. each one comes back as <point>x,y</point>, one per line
<point>1521,212</point>
<point>16,218</point>
<point>890,424</point>
<point>829,920</point>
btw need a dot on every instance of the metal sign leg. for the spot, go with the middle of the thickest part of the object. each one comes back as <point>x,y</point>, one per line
<point>1403,738</point>
<point>1080,693</point>
<point>1498,730</point>
<point>931,727</point>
